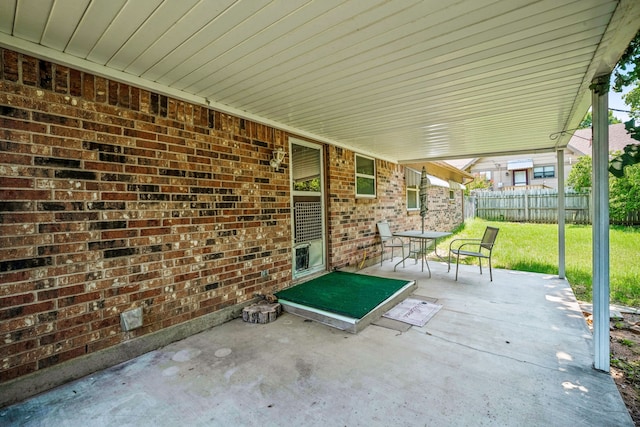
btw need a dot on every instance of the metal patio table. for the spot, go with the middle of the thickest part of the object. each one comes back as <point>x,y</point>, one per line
<point>424,237</point>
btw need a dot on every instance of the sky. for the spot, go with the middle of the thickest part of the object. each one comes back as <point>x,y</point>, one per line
<point>615,101</point>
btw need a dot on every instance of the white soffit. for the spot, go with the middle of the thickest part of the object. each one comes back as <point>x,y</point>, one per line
<point>409,80</point>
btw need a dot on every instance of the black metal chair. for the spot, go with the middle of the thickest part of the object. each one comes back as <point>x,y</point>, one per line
<point>388,240</point>
<point>484,248</point>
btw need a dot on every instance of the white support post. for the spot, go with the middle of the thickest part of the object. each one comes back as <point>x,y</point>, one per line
<point>600,186</point>
<point>561,215</point>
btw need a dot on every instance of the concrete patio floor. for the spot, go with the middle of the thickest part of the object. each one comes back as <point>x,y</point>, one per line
<point>515,351</point>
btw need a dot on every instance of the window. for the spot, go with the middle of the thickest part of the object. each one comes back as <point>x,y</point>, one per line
<point>544,172</point>
<point>486,175</point>
<point>413,200</point>
<point>520,177</point>
<point>365,176</point>
<point>452,195</point>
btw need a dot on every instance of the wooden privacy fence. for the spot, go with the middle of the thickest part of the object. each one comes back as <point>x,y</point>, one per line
<point>535,205</point>
<point>469,208</point>
<point>539,206</point>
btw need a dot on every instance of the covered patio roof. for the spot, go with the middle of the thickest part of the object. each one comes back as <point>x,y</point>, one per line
<point>406,81</point>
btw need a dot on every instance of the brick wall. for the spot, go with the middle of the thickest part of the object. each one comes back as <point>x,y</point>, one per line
<point>352,221</point>
<point>113,197</point>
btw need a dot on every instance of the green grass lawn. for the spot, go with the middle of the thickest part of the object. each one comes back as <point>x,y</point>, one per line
<point>534,247</point>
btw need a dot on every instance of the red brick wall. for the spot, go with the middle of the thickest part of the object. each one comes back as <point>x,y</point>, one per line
<point>352,221</point>
<point>114,197</point>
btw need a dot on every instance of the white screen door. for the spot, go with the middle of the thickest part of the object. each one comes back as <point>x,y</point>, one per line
<point>307,193</point>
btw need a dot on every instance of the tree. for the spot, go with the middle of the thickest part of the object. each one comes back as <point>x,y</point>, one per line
<point>580,174</point>
<point>632,99</point>
<point>626,74</point>
<point>588,120</point>
<point>613,119</point>
<point>624,192</point>
<point>312,184</point>
<point>480,182</point>
<point>630,59</point>
<point>631,153</point>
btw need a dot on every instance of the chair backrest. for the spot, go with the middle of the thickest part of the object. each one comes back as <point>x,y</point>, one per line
<point>384,230</point>
<point>489,237</point>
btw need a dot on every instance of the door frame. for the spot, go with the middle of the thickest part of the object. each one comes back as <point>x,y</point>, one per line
<point>323,250</point>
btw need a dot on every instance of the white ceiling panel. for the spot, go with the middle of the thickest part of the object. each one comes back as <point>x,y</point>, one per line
<point>312,41</point>
<point>402,66</point>
<point>31,18</point>
<point>180,40</point>
<point>267,25</point>
<point>90,27</point>
<point>129,18</point>
<point>7,15</point>
<point>162,18</point>
<point>62,23</point>
<point>406,81</point>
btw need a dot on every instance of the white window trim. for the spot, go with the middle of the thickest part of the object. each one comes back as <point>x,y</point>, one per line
<point>543,170</point>
<point>361,175</point>
<point>415,190</point>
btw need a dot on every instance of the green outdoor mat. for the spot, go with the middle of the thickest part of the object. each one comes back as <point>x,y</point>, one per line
<point>349,294</point>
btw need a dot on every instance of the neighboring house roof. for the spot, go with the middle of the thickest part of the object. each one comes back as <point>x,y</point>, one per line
<point>440,174</point>
<point>582,139</point>
<point>580,144</point>
<point>462,164</point>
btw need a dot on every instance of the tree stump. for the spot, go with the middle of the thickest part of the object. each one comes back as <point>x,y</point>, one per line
<point>261,312</point>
